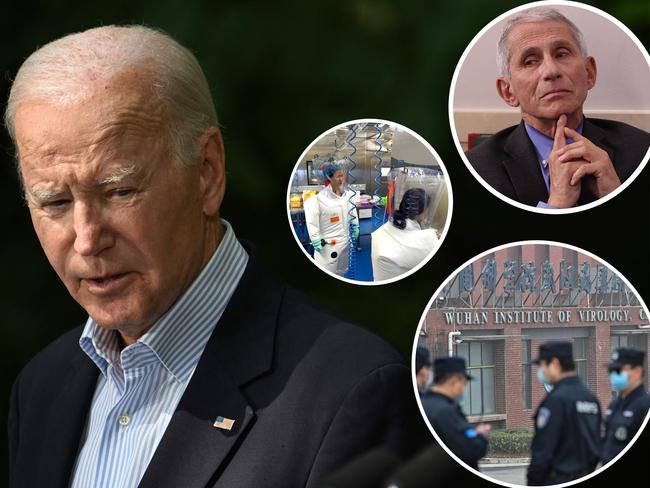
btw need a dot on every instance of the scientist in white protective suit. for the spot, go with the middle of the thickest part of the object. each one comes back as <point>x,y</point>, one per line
<point>331,220</point>
<point>407,238</point>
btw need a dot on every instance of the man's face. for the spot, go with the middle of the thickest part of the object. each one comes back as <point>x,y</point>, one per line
<point>548,74</point>
<point>121,223</point>
<point>552,370</point>
<point>634,373</point>
<point>459,384</point>
<point>424,375</point>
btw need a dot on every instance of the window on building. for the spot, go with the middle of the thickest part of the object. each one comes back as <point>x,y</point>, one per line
<point>526,374</point>
<point>580,357</point>
<point>480,393</point>
<point>628,340</point>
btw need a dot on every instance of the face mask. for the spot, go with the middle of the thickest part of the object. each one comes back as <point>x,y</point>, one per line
<point>429,381</point>
<point>619,381</point>
<point>461,398</point>
<point>541,377</point>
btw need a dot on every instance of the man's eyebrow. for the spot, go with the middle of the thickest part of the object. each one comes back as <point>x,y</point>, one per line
<point>559,43</point>
<point>43,194</point>
<point>118,175</point>
<point>528,51</point>
<point>566,43</point>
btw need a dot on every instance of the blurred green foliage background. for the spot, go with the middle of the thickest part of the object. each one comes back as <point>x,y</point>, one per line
<point>282,73</point>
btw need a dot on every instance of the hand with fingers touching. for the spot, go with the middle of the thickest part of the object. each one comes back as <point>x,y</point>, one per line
<point>564,190</point>
<point>603,178</point>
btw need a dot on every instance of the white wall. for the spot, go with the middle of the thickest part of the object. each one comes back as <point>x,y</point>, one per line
<point>621,86</point>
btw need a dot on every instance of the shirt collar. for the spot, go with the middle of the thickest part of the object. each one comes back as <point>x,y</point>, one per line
<point>572,379</point>
<point>178,338</point>
<point>442,395</point>
<point>330,192</point>
<point>543,143</point>
<point>634,394</point>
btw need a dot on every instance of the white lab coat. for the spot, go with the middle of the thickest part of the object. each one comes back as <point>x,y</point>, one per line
<point>396,251</point>
<point>327,216</point>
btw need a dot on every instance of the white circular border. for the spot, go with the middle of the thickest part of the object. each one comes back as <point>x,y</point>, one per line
<point>452,123</point>
<point>450,200</point>
<point>428,307</point>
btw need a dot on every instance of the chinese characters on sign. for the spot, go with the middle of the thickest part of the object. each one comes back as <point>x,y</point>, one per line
<point>526,278</point>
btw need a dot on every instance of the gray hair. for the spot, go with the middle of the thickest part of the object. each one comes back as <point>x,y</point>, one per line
<point>65,71</point>
<point>536,14</point>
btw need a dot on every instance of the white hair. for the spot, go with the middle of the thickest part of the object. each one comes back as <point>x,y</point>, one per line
<point>66,70</point>
<point>536,14</point>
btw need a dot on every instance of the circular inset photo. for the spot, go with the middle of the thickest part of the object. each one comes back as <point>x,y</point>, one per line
<point>530,364</point>
<point>549,107</point>
<point>369,201</point>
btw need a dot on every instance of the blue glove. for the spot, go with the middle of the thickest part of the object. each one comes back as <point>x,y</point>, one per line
<point>355,231</point>
<point>318,246</point>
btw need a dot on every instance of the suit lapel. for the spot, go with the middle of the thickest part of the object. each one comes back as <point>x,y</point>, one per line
<point>192,449</point>
<point>192,452</point>
<point>64,429</point>
<point>523,168</point>
<point>599,137</point>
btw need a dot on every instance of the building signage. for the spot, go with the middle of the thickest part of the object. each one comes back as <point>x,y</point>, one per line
<point>527,277</point>
<point>540,316</point>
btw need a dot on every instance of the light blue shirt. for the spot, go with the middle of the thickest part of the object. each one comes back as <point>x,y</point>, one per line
<point>543,146</point>
<point>140,386</point>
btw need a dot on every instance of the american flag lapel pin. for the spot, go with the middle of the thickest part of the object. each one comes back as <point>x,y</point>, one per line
<point>224,423</point>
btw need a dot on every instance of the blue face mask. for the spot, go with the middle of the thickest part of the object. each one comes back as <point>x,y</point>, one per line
<point>461,398</point>
<point>619,381</point>
<point>541,377</point>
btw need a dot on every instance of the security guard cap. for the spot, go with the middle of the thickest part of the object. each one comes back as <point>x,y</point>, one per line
<point>450,365</point>
<point>554,349</point>
<point>626,355</point>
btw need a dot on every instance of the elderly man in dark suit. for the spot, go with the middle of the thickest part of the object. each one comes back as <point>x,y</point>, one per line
<point>555,158</point>
<point>195,367</point>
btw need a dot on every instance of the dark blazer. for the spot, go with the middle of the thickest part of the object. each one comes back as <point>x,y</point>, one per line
<point>508,163</point>
<point>308,391</point>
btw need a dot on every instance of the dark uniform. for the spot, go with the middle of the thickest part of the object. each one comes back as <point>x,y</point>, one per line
<point>447,418</point>
<point>624,416</point>
<point>623,419</point>
<point>450,423</point>
<point>566,445</point>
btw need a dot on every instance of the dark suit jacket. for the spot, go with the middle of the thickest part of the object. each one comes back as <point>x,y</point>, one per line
<point>307,390</point>
<point>508,163</point>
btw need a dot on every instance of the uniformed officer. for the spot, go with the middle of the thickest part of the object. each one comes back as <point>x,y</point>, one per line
<point>626,413</point>
<point>423,373</point>
<point>445,415</point>
<point>566,445</point>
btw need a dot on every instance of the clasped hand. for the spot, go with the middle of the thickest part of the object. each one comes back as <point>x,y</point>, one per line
<point>571,164</point>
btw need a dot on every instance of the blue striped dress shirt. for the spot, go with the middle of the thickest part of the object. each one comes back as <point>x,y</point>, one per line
<point>140,386</point>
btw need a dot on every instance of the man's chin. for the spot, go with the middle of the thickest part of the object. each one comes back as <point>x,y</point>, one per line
<point>125,321</point>
<point>556,110</point>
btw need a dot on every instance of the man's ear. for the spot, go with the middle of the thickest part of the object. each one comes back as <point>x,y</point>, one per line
<point>505,91</point>
<point>212,171</point>
<point>590,67</point>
